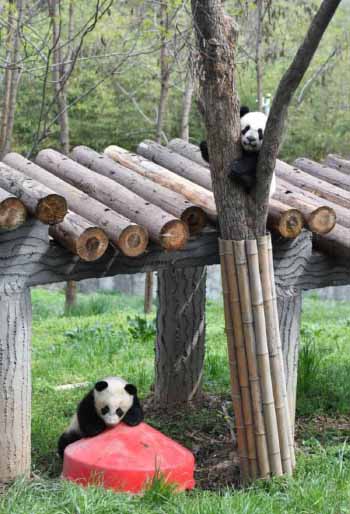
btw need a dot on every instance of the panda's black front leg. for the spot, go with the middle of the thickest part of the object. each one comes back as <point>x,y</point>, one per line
<point>243,171</point>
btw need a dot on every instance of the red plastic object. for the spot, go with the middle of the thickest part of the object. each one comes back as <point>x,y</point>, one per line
<point>127,458</point>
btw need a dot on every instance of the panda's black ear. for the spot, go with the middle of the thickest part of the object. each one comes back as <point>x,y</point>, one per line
<point>131,389</point>
<point>101,385</point>
<point>243,110</point>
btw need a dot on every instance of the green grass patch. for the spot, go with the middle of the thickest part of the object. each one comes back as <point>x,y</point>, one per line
<point>109,334</point>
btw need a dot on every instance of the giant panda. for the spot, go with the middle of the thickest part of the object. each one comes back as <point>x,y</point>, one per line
<point>243,170</point>
<point>111,400</point>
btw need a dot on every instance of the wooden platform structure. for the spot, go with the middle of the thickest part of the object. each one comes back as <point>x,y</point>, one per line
<point>103,215</point>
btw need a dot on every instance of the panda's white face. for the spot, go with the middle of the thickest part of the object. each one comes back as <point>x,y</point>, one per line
<point>113,401</point>
<point>252,131</point>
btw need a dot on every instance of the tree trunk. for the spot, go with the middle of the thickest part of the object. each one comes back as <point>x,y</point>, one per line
<point>180,335</point>
<point>186,106</point>
<point>12,76</point>
<point>15,383</point>
<point>258,53</point>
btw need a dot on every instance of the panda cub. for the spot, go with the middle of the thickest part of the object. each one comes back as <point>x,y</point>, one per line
<point>243,171</point>
<point>110,401</point>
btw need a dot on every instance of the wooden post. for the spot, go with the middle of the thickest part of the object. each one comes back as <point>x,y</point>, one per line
<point>180,335</point>
<point>15,381</point>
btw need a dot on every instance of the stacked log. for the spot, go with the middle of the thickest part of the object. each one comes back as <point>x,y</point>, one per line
<point>156,194</point>
<point>130,238</point>
<point>187,150</point>
<point>80,237</point>
<point>323,172</point>
<point>320,219</point>
<point>338,163</point>
<point>196,194</point>
<point>40,201</point>
<point>12,211</point>
<point>282,219</point>
<point>165,229</point>
<point>177,163</point>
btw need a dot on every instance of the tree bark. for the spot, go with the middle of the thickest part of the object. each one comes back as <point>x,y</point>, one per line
<point>156,194</point>
<point>130,238</point>
<point>15,382</point>
<point>165,229</point>
<point>43,203</point>
<point>180,335</point>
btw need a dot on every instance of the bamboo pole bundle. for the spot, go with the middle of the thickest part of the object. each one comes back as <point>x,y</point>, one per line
<point>243,373</point>
<point>260,247</point>
<point>167,230</point>
<point>160,175</point>
<point>323,172</point>
<point>225,254</point>
<point>250,346</point>
<point>80,237</point>
<point>339,163</point>
<point>40,201</point>
<point>132,239</point>
<point>263,358</point>
<point>163,197</point>
<point>176,163</point>
<point>12,211</point>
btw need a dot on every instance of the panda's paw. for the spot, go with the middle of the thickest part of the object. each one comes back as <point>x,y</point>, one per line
<point>204,150</point>
<point>241,176</point>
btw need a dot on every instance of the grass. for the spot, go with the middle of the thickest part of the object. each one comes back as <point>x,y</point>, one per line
<point>108,334</point>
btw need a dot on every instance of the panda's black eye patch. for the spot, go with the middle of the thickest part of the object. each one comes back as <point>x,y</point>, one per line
<point>261,134</point>
<point>104,410</point>
<point>245,130</point>
<point>119,412</point>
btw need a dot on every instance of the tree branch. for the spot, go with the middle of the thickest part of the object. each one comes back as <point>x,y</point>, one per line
<point>285,91</point>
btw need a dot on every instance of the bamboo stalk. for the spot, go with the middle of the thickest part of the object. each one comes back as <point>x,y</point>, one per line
<point>250,345</point>
<point>243,374</point>
<point>12,211</point>
<point>263,361</point>
<point>224,247</point>
<point>273,339</point>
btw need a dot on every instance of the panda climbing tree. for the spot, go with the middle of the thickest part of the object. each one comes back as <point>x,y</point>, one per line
<point>243,171</point>
<point>242,210</point>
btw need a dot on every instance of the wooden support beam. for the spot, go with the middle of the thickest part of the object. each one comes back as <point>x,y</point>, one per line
<point>13,212</point>
<point>15,379</point>
<point>168,231</point>
<point>130,238</point>
<point>41,202</point>
<point>168,200</point>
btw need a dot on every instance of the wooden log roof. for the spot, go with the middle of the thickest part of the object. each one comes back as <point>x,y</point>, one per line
<point>160,199</point>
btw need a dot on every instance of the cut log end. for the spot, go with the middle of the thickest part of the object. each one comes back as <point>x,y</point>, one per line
<point>322,220</point>
<point>291,223</point>
<point>12,214</point>
<point>92,244</point>
<point>195,218</point>
<point>51,209</point>
<point>174,235</point>
<point>133,240</point>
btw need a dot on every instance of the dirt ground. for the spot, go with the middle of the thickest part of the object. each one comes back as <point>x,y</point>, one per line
<point>207,429</point>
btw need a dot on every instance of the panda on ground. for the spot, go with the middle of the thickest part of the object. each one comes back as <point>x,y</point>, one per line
<point>243,171</point>
<point>110,401</point>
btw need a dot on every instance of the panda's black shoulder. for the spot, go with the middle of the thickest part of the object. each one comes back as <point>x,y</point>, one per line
<point>90,423</point>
